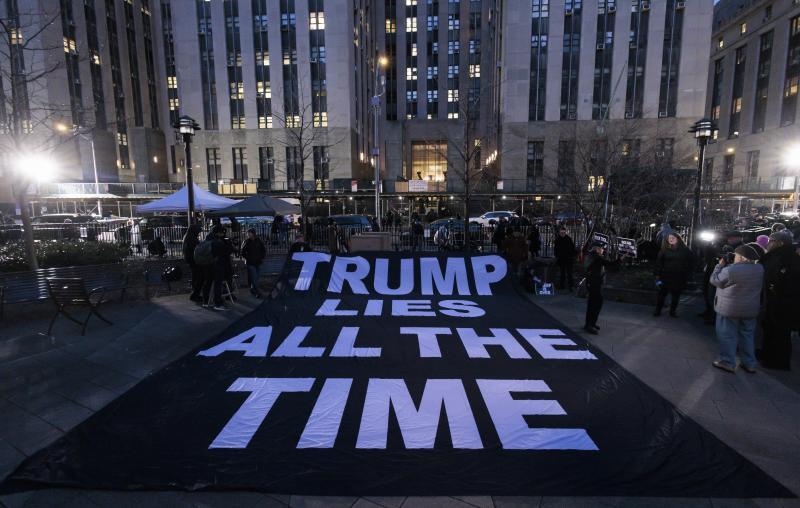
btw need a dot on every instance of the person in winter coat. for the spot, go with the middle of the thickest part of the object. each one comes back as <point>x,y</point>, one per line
<point>190,241</point>
<point>564,251</point>
<point>673,268</point>
<point>595,265</point>
<point>253,251</point>
<point>737,303</point>
<point>515,250</point>
<point>333,237</point>
<point>499,234</point>
<point>534,242</point>
<point>781,300</point>
<point>156,247</point>
<point>216,272</point>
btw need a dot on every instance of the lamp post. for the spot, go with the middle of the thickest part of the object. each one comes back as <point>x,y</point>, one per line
<point>791,159</point>
<point>87,136</point>
<point>380,81</point>
<point>186,127</point>
<point>703,130</point>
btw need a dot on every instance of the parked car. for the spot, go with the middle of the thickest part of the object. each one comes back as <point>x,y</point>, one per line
<point>63,218</point>
<point>352,221</point>
<point>491,218</point>
<point>457,229</point>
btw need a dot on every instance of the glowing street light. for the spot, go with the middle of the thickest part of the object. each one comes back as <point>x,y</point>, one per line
<point>703,131</point>
<point>36,167</point>
<point>791,159</point>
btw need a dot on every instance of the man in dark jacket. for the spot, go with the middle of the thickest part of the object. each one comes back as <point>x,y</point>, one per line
<point>190,241</point>
<point>781,300</point>
<point>499,234</point>
<point>595,264</point>
<point>564,251</point>
<point>253,251</point>
<point>215,273</point>
<point>674,266</point>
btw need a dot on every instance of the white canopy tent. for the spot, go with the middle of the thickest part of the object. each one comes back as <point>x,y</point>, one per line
<point>179,202</point>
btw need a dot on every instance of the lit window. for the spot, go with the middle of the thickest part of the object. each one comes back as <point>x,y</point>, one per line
<point>414,49</point>
<point>411,24</point>
<point>174,104</point>
<point>411,73</point>
<point>320,119</point>
<point>452,95</point>
<point>720,43</point>
<point>391,25</point>
<point>172,82</point>
<point>122,139</point>
<point>69,45</point>
<point>237,122</point>
<point>264,89</point>
<point>264,122</point>
<point>15,36</point>
<point>474,70</point>
<point>262,58</point>
<point>791,87</point>
<point>237,90</point>
<point>737,105</point>
<point>743,28</point>
<point>316,21</point>
<point>95,59</point>
<point>453,115</point>
<point>411,2</point>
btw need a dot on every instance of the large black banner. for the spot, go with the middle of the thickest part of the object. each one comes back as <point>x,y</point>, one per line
<point>386,374</point>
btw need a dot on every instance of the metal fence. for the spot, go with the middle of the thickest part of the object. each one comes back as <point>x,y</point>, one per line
<point>277,239</point>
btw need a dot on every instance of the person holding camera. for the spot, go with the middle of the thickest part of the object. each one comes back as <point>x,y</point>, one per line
<point>737,303</point>
<point>673,268</point>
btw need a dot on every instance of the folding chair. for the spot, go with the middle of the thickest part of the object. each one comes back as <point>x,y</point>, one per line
<point>71,292</point>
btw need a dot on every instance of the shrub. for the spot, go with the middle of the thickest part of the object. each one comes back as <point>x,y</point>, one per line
<point>56,253</point>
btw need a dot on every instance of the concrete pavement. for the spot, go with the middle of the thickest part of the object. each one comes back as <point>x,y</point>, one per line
<point>50,384</point>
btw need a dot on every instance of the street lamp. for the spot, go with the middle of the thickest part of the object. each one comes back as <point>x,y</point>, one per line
<point>186,127</point>
<point>791,159</point>
<point>703,130</point>
<point>86,135</point>
<point>380,82</point>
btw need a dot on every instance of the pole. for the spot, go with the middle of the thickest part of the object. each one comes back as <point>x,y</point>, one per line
<point>696,207</point>
<point>796,196</point>
<point>96,181</point>
<point>187,143</point>
<point>376,151</point>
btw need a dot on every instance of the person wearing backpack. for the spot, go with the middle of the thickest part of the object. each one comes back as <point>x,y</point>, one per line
<point>781,301</point>
<point>253,251</point>
<point>190,243</point>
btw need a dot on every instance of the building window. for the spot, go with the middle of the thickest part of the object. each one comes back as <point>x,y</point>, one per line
<point>262,70</point>
<point>670,60</point>
<point>150,66</point>
<point>208,81</point>
<point>664,150</point>
<point>294,176</point>
<point>239,163</point>
<point>291,105</point>
<point>743,29</point>
<point>708,172</point>
<point>133,65</point>
<point>321,166</point>
<point>540,26</point>
<point>762,81</point>
<point>752,164</point>
<point>173,159</point>
<point>790,87</point>
<point>716,91</point>
<point>637,59</point>
<point>571,60</point>
<point>266,163</point>
<point>603,59</point>
<point>234,48</point>
<point>535,164</point>
<point>319,92</point>
<point>740,62</point>
<point>566,161</point>
<point>123,159</point>
<point>429,160</point>
<point>213,165</point>
<point>95,68</point>
<point>727,170</point>
<point>72,59</point>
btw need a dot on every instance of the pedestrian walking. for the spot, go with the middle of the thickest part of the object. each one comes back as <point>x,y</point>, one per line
<point>595,265</point>
<point>190,241</point>
<point>673,268</point>
<point>564,251</point>
<point>737,303</point>
<point>781,301</point>
<point>253,251</point>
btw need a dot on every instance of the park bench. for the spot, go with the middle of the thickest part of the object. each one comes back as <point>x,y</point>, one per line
<point>72,292</point>
<point>31,286</point>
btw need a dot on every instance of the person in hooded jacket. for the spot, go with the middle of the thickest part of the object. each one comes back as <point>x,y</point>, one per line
<point>190,241</point>
<point>781,300</point>
<point>216,272</point>
<point>673,269</point>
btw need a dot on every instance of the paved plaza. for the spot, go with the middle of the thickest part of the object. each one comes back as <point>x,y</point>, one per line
<point>48,385</point>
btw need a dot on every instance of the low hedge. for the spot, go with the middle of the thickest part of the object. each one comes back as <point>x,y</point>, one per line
<point>57,253</point>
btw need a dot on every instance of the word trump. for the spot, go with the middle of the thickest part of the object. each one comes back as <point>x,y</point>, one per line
<point>355,272</point>
<point>549,344</point>
<point>418,424</point>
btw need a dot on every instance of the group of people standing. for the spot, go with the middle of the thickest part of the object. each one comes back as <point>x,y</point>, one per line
<point>211,266</point>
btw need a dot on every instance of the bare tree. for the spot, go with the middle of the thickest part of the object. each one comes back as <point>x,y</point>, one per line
<point>28,59</point>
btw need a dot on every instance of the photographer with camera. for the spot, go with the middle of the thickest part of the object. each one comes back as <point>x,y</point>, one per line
<point>737,303</point>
